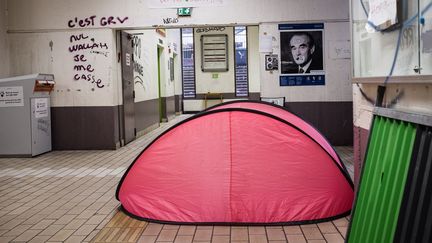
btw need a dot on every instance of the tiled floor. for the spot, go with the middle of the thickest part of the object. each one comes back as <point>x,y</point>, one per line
<point>68,196</point>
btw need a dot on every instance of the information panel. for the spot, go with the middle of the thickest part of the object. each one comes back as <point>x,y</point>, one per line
<point>302,62</point>
<point>214,49</point>
<point>11,96</point>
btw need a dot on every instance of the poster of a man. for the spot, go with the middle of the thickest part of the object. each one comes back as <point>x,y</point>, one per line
<point>301,52</point>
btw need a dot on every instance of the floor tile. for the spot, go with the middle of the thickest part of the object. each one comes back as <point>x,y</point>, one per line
<point>312,233</point>
<point>257,230</point>
<point>296,239</point>
<point>186,230</point>
<point>183,239</point>
<point>257,238</point>
<point>203,235</point>
<point>275,234</point>
<point>334,238</point>
<point>239,234</point>
<point>27,235</point>
<point>167,235</point>
<point>222,230</point>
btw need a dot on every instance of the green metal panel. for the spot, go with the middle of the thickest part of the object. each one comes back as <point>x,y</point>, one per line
<point>382,183</point>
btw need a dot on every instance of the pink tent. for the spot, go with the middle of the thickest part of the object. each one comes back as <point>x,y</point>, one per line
<point>239,162</point>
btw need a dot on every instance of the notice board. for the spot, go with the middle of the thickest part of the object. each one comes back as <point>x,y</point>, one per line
<point>214,53</point>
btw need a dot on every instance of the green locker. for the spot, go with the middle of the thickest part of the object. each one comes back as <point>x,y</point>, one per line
<point>382,183</point>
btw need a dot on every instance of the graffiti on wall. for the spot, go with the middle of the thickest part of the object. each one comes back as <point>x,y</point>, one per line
<point>208,29</point>
<point>170,20</point>
<point>137,61</point>
<point>94,21</point>
<point>138,67</point>
<point>83,46</point>
<point>83,70</point>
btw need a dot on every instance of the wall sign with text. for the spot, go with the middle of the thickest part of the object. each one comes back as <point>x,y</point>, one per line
<point>11,96</point>
<point>214,53</point>
<point>302,59</point>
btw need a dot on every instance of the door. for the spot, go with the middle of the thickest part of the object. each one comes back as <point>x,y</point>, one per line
<point>129,131</point>
<point>160,70</point>
<point>41,125</point>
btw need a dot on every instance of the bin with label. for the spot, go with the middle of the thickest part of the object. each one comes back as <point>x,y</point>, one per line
<point>25,117</point>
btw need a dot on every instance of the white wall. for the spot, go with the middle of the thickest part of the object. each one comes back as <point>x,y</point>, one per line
<point>415,98</point>
<point>254,69</point>
<point>337,71</point>
<point>174,41</point>
<point>146,85</point>
<point>173,36</point>
<point>32,14</point>
<point>4,54</point>
<point>373,54</point>
<point>50,53</point>
<point>145,58</point>
<point>33,28</point>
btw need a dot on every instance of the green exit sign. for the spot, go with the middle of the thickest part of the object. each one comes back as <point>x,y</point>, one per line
<point>184,11</point>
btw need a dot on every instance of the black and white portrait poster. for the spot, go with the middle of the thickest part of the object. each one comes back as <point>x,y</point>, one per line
<point>301,54</point>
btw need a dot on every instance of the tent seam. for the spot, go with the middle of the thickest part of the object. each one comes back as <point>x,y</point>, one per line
<point>230,182</point>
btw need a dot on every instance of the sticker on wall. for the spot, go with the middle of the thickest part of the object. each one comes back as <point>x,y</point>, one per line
<point>128,59</point>
<point>340,49</point>
<point>302,60</point>
<point>266,43</point>
<point>271,62</point>
<point>11,96</point>
<point>41,107</point>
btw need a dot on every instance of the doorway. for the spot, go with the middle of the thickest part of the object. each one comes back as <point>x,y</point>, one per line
<point>161,76</point>
<point>128,114</point>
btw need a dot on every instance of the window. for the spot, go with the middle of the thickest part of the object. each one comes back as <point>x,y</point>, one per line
<point>188,63</point>
<point>241,61</point>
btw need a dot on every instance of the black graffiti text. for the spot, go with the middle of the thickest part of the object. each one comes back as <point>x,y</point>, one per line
<point>94,21</point>
<point>80,58</point>
<point>79,47</point>
<point>82,69</point>
<point>207,29</point>
<point>90,78</point>
<point>136,43</point>
<point>138,68</point>
<point>170,20</point>
<point>104,21</point>
<point>73,38</point>
<point>87,68</point>
<point>104,53</point>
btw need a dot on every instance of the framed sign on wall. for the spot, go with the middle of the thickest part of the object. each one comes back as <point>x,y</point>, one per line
<point>302,54</point>
<point>214,53</point>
